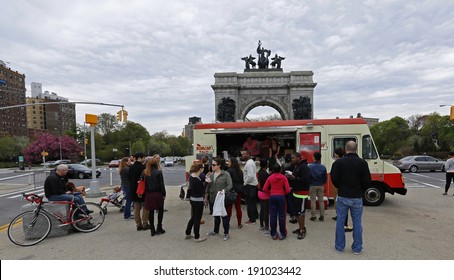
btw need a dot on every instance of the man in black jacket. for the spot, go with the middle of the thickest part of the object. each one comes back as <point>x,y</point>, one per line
<point>351,175</point>
<point>299,180</point>
<point>135,171</point>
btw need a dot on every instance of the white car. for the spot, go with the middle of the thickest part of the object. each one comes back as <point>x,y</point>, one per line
<point>168,162</point>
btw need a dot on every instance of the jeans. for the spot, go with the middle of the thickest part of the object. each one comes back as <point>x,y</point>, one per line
<point>78,199</point>
<point>239,212</point>
<point>356,211</point>
<point>277,213</point>
<point>251,200</point>
<point>217,222</point>
<point>127,210</point>
<point>196,216</point>
<point>449,178</point>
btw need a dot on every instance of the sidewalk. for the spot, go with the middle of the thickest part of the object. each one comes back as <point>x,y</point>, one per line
<point>402,228</point>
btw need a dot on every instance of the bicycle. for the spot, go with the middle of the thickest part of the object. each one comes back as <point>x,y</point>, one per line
<point>33,226</point>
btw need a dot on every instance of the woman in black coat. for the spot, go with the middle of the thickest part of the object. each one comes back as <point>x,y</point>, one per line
<point>155,194</point>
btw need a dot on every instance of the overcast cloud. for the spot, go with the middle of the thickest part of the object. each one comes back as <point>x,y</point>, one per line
<point>157,58</point>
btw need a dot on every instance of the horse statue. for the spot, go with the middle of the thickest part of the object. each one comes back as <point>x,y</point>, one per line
<point>263,56</point>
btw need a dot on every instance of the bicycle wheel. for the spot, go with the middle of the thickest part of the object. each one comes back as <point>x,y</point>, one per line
<point>29,228</point>
<point>85,222</point>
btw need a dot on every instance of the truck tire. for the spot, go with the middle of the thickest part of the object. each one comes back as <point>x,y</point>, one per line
<point>374,195</point>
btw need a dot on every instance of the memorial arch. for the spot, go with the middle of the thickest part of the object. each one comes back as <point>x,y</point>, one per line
<point>238,93</point>
<point>291,94</point>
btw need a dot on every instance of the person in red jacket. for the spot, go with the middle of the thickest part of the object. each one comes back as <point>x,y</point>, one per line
<point>277,186</point>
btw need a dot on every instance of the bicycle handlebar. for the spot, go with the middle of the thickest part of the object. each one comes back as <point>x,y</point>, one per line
<point>33,198</point>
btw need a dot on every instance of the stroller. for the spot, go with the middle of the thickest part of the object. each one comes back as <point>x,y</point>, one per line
<point>116,198</point>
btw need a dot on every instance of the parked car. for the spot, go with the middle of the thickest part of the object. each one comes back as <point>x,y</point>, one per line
<point>48,163</point>
<point>114,163</point>
<point>420,163</point>
<point>168,162</point>
<point>60,161</point>
<point>89,161</point>
<point>79,171</point>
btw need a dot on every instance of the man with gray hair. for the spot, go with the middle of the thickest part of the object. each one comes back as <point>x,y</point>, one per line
<point>351,175</point>
<point>55,188</point>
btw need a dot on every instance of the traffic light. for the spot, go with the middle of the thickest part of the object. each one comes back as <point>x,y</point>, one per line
<point>451,117</point>
<point>125,115</point>
<point>119,115</point>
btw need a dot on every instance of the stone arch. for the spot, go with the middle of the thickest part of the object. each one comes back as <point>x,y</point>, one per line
<point>270,103</point>
<point>263,87</point>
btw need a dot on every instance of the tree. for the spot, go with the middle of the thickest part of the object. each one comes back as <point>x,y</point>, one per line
<point>107,123</point>
<point>390,135</point>
<point>50,143</point>
<point>7,148</point>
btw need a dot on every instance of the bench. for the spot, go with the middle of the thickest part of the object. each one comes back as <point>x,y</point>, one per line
<point>57,209</point>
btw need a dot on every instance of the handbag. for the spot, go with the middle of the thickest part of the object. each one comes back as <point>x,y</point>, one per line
<point>141,186</point>
<point>230,196</point>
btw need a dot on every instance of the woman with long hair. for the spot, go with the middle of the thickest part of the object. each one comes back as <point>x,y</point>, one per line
<point>237,180</point>
<point>123,169</point>
<point>196,199</point>
<point>155,194</point>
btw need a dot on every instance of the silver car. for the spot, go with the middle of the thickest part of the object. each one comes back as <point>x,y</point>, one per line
<point>419,163</point>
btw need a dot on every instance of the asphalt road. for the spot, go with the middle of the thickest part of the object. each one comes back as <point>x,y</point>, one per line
<point>416,226</point>
<point>12,184</point>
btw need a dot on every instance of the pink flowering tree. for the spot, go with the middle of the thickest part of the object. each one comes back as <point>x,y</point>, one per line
<point>50,143</point>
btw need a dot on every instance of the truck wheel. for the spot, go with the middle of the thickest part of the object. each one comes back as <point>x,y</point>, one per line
<point>413,169</point>
<point>374,195</point>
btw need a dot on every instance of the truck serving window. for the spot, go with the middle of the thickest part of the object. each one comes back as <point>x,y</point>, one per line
<point>339,142</point>
<point>369,151</point>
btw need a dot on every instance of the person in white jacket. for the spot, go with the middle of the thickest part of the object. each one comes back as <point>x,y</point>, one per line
<point>250,184</point>
<point>449,168</point>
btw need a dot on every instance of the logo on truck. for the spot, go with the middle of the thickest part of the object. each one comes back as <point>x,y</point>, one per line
<point>205,149</point>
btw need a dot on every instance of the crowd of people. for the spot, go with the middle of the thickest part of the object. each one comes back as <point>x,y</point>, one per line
<point>281,191</point>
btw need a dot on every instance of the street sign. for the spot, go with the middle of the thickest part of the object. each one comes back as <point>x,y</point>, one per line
<point>21,158</point>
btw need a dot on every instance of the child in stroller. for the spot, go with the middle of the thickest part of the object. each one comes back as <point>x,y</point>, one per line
<point>116,198</point>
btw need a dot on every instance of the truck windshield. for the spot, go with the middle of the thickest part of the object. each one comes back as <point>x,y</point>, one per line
<point>369,151</point>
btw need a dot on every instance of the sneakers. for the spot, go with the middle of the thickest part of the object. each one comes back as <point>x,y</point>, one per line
<point>266,232</point>
<point>359,252</point>
<point>129,218</point>
<point>321,218</point>
<point>188,237</point>
<point>348,229</point>
<point>249,223</point>
<point>212,233</point>
<point>445,193</point>
<point>262,229</point>
<point>274,237</point>
<point>200,239</point>
<point>339,251</point>
<point>313,218</point>
<point>226,237</point>
<point>282,237</point>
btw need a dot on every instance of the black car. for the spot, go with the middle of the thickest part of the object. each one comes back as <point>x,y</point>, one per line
<point>79,171</point>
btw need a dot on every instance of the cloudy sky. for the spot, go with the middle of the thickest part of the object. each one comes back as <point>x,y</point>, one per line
<point>157,58</point>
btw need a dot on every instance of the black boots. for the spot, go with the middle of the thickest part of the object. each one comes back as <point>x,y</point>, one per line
<point>159,230</point>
